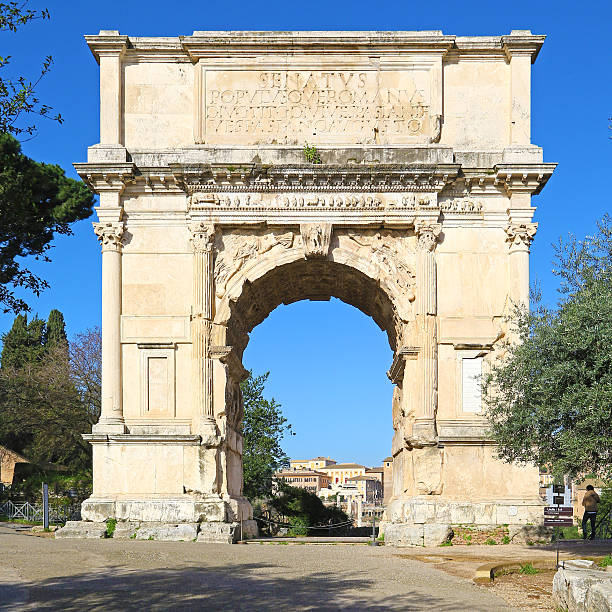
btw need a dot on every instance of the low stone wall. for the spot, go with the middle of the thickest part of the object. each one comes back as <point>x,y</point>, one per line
<point>582,587</point>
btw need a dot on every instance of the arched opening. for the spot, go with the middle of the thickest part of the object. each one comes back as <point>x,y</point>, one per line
<point>260,288</point>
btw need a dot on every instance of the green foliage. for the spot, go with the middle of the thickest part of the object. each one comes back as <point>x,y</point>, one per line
<point>111,524</point>
<point>305,509</point>
<point>18,95</point>
<point>606,561</point>
<point>37,201</point>
<point>490,542</point>
<point>299,526</point>
<point>41,413</point>
<point>506,540</point>
<point>549,400</point>
<point>312,154</point>
<point>263,428</point>
<point>24,342</point>
<point>527,568</point>
<point>56,329</point>
<point>447,543</point>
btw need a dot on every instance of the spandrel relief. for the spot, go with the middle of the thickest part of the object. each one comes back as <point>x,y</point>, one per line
<point>239,248</point>
<point>391,255</point>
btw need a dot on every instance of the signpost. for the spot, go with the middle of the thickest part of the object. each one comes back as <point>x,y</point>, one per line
<point>561,514</point>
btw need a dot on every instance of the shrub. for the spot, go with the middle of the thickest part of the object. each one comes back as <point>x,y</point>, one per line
<point>527,568</point>
<point>111,523</point>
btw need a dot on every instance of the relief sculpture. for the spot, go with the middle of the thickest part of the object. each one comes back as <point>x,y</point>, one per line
<point>240,250</point>
<point>385,255</point>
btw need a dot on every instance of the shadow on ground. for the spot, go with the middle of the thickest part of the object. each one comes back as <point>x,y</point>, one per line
<point>210,588</point>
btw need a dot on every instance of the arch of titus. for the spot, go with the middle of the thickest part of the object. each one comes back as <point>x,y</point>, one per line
<point>211,215</point>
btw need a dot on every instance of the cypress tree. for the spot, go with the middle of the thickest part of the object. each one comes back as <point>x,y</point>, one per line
<point>56,329</point>
<point>24,342</point>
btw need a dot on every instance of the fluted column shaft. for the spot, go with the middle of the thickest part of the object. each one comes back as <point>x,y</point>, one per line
<point>427,235</point>
<point>111,415</point>
<point>201,322</point>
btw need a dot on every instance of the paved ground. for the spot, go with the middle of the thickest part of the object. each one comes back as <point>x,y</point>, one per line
<point>39,573</point>
<point>45,574</point>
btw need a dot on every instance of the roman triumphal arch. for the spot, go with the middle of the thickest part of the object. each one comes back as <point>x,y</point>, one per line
<point>412,203</point>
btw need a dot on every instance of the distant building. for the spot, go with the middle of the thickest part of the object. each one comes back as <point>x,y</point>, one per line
<point>341,472</point>
<point>369,487</point>
<point>311,464</point>
<point>8,460</point>
<point>388,479</point>
<point>311,480</point>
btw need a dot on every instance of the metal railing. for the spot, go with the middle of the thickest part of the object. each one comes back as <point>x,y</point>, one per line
<point>34,512</point>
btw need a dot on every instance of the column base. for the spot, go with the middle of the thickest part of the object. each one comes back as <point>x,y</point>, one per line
<point>109,426</point>
<point>182,518</point>
<point>211,533</point>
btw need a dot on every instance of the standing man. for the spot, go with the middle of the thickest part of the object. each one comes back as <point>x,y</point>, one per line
<point>590,501</point>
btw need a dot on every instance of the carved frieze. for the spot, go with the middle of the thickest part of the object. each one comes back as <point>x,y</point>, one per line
<point>239,248</point>
<point>316,238</point>
<point>110,234</point>
<point>313,201</point>
<point>461,205</point>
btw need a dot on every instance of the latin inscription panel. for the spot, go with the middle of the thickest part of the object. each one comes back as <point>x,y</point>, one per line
<point>299,106</point>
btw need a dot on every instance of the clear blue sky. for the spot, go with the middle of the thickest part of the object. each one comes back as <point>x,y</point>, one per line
<point>328,360</point>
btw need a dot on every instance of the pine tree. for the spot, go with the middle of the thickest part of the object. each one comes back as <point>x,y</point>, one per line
<point>24,343</point>
<point>56,329</point>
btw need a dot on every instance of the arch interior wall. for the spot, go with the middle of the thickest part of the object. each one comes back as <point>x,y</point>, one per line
<point>419,213</point>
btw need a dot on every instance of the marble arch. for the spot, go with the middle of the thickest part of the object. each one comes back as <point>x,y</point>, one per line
<point>415,206</point>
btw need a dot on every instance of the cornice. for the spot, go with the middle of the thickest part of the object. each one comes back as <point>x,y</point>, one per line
<point>522,42</point>
<point>523,178</point>
<point>107,42</point>
<point>106,176</point>
<point>210,44</point>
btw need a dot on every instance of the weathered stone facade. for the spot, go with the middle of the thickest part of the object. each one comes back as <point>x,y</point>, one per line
<point>210,216</point>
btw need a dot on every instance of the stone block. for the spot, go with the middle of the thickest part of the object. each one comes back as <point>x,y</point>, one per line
<point>434,535</point>
<point>82,529</point>
<point>168,532</point>
<point>210,511</point>
<point>249,529</point>
<point>520,534</point>
<point>462,514</point>
<point>125,530</point>
<point>97,510</point>
<point>580,564</point>
<point>582,590</point>
<point>403,534</point>
<point>219,533</point>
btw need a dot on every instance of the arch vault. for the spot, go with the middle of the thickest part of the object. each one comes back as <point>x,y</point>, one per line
<point>415,207</point>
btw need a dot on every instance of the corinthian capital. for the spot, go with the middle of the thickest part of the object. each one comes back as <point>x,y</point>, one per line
<point>109,234</point>
<point>520,235</point>
<point>202,236</point>
<point>427,234</point>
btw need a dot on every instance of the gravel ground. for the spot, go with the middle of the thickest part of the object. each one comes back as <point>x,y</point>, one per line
<point>45,574</point>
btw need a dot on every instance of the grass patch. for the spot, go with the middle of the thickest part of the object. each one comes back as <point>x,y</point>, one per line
<point>606,561</point>
<point>527,568</point>
<point>490,542</point>
<point>506,540</point>
<point>447,543</point>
